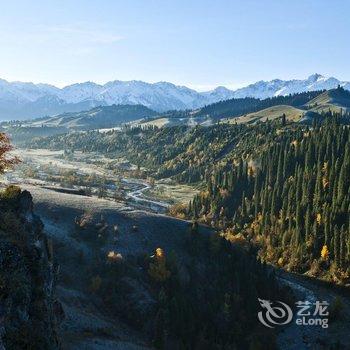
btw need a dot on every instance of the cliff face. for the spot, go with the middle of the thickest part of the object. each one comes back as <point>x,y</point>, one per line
<point>29,313</point>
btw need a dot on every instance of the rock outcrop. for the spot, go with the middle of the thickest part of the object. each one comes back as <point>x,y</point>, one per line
<point>29,312</point>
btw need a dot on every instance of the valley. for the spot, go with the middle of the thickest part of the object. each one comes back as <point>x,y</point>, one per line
<point>174,175</point>
<point>140,214</point>
<point>88,323</point>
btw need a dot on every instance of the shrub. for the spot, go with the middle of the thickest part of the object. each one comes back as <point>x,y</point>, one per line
<point>11,192</point>
<point>178,210</point>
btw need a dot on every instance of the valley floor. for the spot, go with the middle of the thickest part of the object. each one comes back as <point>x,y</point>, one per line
<point>52,168</point>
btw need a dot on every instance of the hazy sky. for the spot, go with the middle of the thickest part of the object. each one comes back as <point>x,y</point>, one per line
<point>200,43</point>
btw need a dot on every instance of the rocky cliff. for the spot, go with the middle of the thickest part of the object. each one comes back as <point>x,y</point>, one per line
<point>29,312</point>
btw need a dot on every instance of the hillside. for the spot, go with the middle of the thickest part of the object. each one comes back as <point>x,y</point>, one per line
<point>102,117</point>
<point>238,107</point>
<point>241,106</point>
<point>134,280</point>
<point>292,114</point>
<point>97,118</point>
<point>181,152</point>
<point>290,196</point>
<point>295,107</point>
<point>334,100</point>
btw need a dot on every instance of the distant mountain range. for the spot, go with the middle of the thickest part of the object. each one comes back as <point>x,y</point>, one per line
<point>27,100</point>
<point>302,107</point>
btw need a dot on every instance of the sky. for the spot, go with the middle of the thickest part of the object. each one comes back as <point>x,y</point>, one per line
<point>197,43</point>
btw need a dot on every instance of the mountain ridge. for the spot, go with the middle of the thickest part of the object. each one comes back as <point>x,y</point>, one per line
<point>20,100</point>
<point>302,107</point>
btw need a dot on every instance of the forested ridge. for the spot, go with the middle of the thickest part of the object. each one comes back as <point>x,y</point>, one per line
<point>239,106</point>
<point>292,199</point>
<point>235,107</point>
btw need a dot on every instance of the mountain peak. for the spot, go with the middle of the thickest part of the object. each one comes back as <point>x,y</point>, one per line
<point>221,89</point>
<point>315,77</point>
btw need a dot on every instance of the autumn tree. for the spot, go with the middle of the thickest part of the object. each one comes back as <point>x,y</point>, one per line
<point>7,161</point>
<point>324,253</point>
<point>157,268</point>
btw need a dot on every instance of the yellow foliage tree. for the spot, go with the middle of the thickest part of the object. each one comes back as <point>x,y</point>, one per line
<point>319,218</point>
<point>157,268</point>
<point>324,253</point>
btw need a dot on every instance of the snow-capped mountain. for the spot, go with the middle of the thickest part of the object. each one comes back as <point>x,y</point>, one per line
<point>27,100</point>
<point>80,92</point>
<point>25,92</point>
<point>219,94</point>
<point>159,96</point>
<point>277,87</point>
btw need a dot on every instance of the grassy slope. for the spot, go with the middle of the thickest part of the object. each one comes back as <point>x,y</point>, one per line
<point>292,114</point>
<point>333,100</point>
<point>160,122</point>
